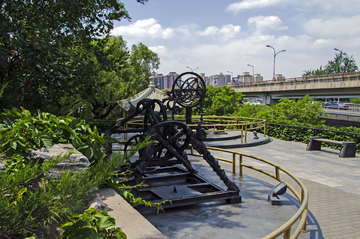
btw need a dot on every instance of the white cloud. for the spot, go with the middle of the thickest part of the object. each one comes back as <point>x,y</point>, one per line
<point>334,7</point>
<point>227,31</point>
<point>321,43</point>
<point>251,4</point>
<point>209,31</point>
<point>160,50</point>
<point>230,31</point>
<point>338,26</point>
<point>264,23</point>
<point>145,28</point>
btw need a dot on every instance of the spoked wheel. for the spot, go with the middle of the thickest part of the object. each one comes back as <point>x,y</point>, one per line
<point>132,141</point>
<point>169,134</point>
<point>152,117</point>
<point>190,92</point>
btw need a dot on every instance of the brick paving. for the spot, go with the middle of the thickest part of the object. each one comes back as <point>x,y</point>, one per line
<point>333,184</point>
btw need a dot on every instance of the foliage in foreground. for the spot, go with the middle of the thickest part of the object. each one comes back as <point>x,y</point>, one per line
<point>92,224</point>
<point>22,132</point>
<point>31,197</point>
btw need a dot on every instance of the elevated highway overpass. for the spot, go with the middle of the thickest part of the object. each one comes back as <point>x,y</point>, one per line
<point>346,85</point>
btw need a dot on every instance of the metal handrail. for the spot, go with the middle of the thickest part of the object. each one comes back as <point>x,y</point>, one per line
<point>241,124</point>
<point>303,197</point>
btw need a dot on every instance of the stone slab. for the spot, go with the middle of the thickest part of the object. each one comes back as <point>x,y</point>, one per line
<point>127,218</point>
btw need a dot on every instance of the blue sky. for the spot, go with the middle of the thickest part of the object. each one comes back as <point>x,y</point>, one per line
<point>221,36</point>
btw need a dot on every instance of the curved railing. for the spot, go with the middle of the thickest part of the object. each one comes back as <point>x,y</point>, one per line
<point>215,124</point>
<point>303,196</point>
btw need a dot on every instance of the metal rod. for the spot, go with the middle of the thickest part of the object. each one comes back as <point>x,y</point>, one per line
<point>234,164</point>
<point>240,166</point>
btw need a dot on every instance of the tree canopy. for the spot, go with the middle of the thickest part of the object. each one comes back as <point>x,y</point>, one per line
<point>342,63</point>
<point>129,74</point>
<point>221,100</point>
<point>43,46</point>
<point>287,111</point>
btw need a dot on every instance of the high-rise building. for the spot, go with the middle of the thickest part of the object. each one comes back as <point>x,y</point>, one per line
<point>160,81</point>
<point>169,79</point>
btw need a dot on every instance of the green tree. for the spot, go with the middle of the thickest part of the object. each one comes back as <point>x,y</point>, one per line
<point>129,74</point>
<point>355,100</point>
<point>342,63</point>
<point>221,100</point>
<point>304,110</point>
<point>40,48</point>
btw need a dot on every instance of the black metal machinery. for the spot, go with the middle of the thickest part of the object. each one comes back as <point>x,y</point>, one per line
<point>159,165</point>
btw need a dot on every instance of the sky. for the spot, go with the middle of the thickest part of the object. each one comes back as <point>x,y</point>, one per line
<point>225,36</point>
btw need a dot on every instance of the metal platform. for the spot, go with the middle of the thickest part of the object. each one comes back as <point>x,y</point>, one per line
<point>177,187</point>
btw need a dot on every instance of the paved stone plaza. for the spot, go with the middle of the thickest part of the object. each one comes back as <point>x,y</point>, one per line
<point>334,205</point>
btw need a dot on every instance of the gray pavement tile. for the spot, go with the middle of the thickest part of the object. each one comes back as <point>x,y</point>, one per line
<point>334,204</point>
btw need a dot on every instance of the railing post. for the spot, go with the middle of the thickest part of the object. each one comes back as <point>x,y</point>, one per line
<point>240,166</point>
<point>192,150</point>
<point>234,165</point>
<point>287,233</point>
<point>264,128</point>
<point>245,132</point>
<point>305,213</point>
<point>277,173</point>
<point>242,133</point>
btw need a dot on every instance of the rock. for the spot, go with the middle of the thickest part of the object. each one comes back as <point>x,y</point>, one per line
<point>76,161</point>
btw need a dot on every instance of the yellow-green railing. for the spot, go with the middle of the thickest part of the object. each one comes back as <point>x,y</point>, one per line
<point>303,196</point>
<point>242,124</point>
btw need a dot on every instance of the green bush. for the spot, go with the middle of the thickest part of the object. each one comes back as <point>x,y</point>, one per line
<point>21,132</point>
<point>92,224</point>
<point>30,197</point>
<point>302,133</point>
<point>298,120</point>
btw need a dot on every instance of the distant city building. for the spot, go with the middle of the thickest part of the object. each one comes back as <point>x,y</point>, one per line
<point>160,81</point>
<point>220,79</point>
<point>166,82</point>
<point>207,80</point>
<point>169,79</point>
<point>279,77</point>
<point>246,77</point>
<point>258,78</point>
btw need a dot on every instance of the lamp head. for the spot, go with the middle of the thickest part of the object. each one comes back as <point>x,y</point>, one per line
<point>255,135</point>
<point>280,189</point>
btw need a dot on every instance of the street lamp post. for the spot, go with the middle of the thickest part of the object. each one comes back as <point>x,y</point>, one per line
<point>253,71</point>
<point>275,53</point>
<point>192,69</point>
<point>231,76</point>
<point>339,67</point>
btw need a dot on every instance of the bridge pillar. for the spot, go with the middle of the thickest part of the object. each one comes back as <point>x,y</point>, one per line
<point>269,101</point>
